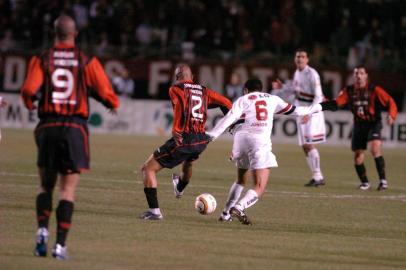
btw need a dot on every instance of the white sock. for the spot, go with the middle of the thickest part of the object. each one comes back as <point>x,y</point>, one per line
<point>313,160</point>
<point>249,199</point>
<point>233,196</point>
<point>155,211</point>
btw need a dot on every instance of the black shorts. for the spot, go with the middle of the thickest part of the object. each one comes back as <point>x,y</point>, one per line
<point>63,144</point>
<point>171,155</point>
<point>363,132</point>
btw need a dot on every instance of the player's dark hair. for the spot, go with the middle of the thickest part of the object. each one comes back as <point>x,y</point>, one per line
<point>361,66</point>
<point>298,50</point>
<point>253,85</point>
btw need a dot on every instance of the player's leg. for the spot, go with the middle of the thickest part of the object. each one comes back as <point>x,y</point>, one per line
<point>148,171</point>
<point>358,146</point>
<point>180,182</point>
<point>311,132</point>
<point>234,193</point>
<point>313,161</point>
<point>64,213</point>
<point>48,179</point>
<point>261,177</point>
<point>375,148</point>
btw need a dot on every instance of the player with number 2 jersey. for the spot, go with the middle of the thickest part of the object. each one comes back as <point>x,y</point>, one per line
<point>190,102</point>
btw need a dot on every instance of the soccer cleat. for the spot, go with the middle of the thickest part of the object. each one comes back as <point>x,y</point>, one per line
<point>151,216</point>
<point>315,183</point>
<point>240,215</point>
<point>175,181</point>
<point>364,186</point>
<point>382,186</point>
<point>41,243</point>
<point>225,217</point>
<point>60,252</point>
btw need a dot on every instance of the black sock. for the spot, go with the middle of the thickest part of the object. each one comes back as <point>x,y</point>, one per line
<point>44,208</point>
<point>64,219</point>
<point>181,185</point>
<point>380,167</point>
<point>362,173</point>
<point>152,197</point>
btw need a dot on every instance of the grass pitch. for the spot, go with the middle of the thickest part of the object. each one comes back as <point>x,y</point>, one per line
<point>330,227</point>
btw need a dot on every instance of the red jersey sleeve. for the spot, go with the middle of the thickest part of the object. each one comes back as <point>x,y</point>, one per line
<point>342,98</point>
<point>175,93</point>
<point>387,101</point>
<point>97,79</point>
<point>218,100</point>
<point>32,83</point>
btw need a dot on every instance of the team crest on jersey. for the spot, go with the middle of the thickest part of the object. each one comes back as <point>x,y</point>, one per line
<point>252,97</point>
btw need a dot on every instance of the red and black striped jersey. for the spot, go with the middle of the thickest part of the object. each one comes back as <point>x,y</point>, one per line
<point>367,103</point>
<point>62,78</point>
<point>190,103</point>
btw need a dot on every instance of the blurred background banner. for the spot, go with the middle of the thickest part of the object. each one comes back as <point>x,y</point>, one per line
<point>150,117</point>
<point>150,79</point>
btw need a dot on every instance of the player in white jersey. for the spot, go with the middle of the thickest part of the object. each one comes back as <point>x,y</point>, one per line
<point>252,147</point>
<point>306,90</point>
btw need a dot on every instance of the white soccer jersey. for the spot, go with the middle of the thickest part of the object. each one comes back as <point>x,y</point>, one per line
<point>252,147</point>
<point>257,110</point>
<point>306,88</point>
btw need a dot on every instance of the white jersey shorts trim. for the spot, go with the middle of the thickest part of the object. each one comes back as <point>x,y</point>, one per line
<point>314,131</point>
<point>252,152</point>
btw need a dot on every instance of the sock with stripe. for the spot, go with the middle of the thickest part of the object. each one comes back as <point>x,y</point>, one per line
<point>233,196</point>
<point>249,199</point>
<point>44,208</point>
<point>64,219</point>
<point>313,160</point>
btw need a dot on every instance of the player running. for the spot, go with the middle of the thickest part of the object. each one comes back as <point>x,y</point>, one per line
<point>190,102</point>
<point>62,78</point>
<point>252,147</point>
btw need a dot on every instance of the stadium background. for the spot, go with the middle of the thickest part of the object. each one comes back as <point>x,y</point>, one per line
<point>334,227</point>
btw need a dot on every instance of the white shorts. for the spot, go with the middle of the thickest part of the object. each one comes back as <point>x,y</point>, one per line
<point>252,152</point>
<point>314,131</point>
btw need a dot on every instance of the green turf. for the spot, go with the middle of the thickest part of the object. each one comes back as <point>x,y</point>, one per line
<point>331,227</point>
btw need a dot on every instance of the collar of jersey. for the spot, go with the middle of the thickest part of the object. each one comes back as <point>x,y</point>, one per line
<point>63,45</point>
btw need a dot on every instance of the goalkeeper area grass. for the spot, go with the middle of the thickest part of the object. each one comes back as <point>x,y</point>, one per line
<point>335,226</point>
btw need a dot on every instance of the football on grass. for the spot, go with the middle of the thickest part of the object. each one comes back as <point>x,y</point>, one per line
<point>205,204</point>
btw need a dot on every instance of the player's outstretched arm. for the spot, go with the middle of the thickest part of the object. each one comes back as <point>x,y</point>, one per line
<point>330,105</point>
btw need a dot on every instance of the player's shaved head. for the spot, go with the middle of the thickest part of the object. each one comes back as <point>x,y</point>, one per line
<point>65,28</point>
<point>183,72</point>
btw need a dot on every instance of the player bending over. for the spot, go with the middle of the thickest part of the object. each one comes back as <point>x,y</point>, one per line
<point>190,102</point>
<point>252,146</point>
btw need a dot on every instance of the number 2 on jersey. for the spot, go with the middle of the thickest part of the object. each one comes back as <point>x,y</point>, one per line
<point>62,78</point>
<point>196,108</point>
<point>261,110</point>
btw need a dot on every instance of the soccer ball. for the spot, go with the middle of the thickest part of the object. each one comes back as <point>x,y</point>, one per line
<point>205,204</point>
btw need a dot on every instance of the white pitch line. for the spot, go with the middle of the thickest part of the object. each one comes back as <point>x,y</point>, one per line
<point>270,193</point>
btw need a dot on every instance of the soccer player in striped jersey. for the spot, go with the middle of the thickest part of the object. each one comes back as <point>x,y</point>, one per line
<point>252,147</point>
<point>190,102</point>
<point>61,79</point>
<point>366,102</point>
<point>311,130</point>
